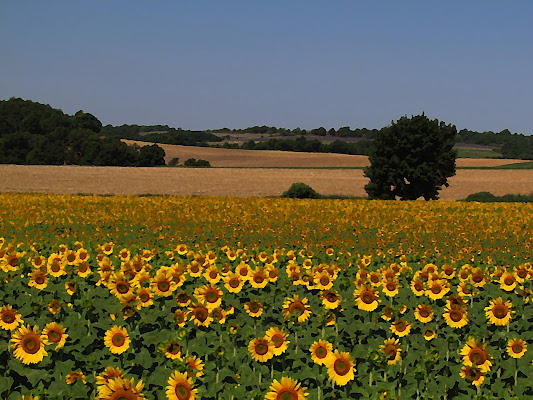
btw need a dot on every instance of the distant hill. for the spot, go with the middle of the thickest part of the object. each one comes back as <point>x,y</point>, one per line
<point>34,133</point>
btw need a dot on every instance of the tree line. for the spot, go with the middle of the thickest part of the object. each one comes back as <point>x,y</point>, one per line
<point>34,133</point>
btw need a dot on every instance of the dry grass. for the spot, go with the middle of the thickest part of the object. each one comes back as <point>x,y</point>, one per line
<point>234,181</point>
<point>270,158</point>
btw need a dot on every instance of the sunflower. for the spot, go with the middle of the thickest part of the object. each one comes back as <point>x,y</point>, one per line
<point>417,287</point>
<point>390,287</point>
<point>508,281</point>
<point>478,277</point>
<point>199,314</point>
<point>219,315</point>
<point>194,367</point>
<point>473,375</point>
<point>54,333</point>
<point>183,299</point>
<point>83,269</point>
<point>28,345</point>
<point>38,279</point>
<point>448,271</point>
<point>74,376</point>
<point>258,278</point>
<point>180,317</point>
<point>145,298</point>
<point>516,348</point>
<point>366,298</point>
<point>120,285</point>
<point>163,284</point>
<point>109,373</point>
<point>279,339</point>
<point>429,334</point>
<point>288,389</point>
<point>391,349</point>
<point>437,289</point>
<point>180,387</point>
<point>321,350</point>
<point>475,354</point>
<point>296,307</point>
<point>401,328</point>
<point>340,367</point>
<point>195,269</point>
<point>56,265</point>
<point>330,299</point>
<point>172,350</point>
<point>54,306</point>
<point>117,339</point>
<point>209,295</point>
<point>261,349</point>
<point>253,308</point>
<point>212,274</point>
<point>71,287</point>
<point>233,282</point>
<point>272,273</point>
<point>323,281</point>
<point>424,313</point>
<point>455,317</point>
<point>499,312</point>
<point>71,257</point>
<point>29,397</point>
<point>9,318</point>
<point>121,388</point>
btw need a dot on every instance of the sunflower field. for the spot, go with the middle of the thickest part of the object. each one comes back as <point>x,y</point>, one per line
<point>118,297</point>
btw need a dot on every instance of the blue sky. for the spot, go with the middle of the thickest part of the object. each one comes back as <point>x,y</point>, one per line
<point>213,64</point>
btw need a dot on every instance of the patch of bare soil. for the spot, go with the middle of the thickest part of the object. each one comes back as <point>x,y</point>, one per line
<point>269,158</point>
<point>240,182</point>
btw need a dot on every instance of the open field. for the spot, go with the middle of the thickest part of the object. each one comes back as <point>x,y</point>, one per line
<point>270,158</point>
<point>241,182</point>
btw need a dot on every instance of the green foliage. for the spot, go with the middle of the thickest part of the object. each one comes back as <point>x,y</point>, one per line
<point>487,197</point>
<point>160,134</point>
<point>33,133</point>
<point>193,162</point>
<point>173,162</point>
<point>412,158</point>
<point>300,190</point>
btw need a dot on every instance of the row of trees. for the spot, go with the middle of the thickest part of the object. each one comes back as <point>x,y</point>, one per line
<point>34,133</point>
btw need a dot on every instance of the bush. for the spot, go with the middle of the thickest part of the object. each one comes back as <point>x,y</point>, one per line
<point>300,190</point>
<point>193,162</point>
<point>173,162</point>
<point>487,197</point>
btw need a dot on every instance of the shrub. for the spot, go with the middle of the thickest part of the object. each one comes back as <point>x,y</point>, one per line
<point>300,190</point>
<point>487,197</point>
<point>193,162</point>
<point>173,162</point>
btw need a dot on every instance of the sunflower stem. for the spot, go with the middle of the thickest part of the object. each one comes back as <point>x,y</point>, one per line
<point>319,397</point>
<point>515,372</point>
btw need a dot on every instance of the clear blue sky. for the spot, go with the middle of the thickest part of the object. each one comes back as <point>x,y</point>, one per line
<point>291,63</point>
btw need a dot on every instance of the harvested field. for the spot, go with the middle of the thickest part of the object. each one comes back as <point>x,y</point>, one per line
<point>269,158</point>
<point>240,182</point>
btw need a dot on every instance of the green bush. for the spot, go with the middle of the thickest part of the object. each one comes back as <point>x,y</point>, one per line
<point>300,190</point>
<point>487,197</point>
<point>173,162</point>
<point>193,162</point>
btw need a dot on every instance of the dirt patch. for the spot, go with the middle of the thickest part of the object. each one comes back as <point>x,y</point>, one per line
<point>270,158</point>
<point>240,182</point>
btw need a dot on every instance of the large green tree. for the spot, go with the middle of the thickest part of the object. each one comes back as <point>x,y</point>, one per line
<point>413,157</point>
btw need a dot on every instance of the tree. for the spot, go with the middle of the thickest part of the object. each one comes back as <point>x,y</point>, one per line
<point>413,157</point>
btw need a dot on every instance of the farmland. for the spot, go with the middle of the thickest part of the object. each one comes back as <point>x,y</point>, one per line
<point>194,297</point>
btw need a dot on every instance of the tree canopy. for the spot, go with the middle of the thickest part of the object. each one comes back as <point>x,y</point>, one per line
<point>34,133</point>
<point>413,157</point>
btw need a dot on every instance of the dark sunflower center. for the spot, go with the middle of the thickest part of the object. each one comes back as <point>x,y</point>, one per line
<point>118,339</point>
<point>31,344</point>
<point>144,297</point>
<point>234,283</point>
<point>424,312</point>
<point>163,286</point>
<point>183,298</point>
<point>436,289</point>
<point>499,311</point>
<point>255,307</point>
<point>8,317</point>
<point>211,296</point>
<point>195,268</point>
<point>473,374</point>
<point>456,315</point>
<point>390,351</point>
<point>321,352</point>
<point>277,340</point>
<point>400,326</point>
<point>201,314</point>
<point>54,336</point>
<point>367,297</point>
<point>374,278</point>
<point>324,281</point>
<point>55,267</point>
<point>174,348</point>
<point>478,356</point>
<point>297,306</point>
<point>341,367</point>
<point>477,278</point>
<point>331,297</point>
<point>509,280</point>
<point>182,392</point>
<point>213,274</point>
<point>391,286</point>
<point>516,348</point>
<point>418,286</point>
<point>522,273</point>
<point>123,287</point>
<point>261,348</point>
<point>287,394</point>
<point>259,278</point>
